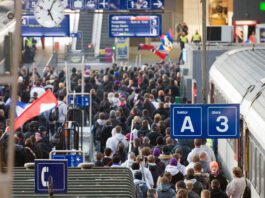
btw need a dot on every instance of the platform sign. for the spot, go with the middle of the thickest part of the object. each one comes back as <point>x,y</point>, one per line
<point>51,173</point>
<point>205,121</point>
<point>80,101</point>
<point>104,4</point>
<point>134,25</point>
<point>72,160</point>
<point>30,27</point>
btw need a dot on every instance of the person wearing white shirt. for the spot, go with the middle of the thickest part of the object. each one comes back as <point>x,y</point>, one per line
<point>128,163</point>
<point>117,138</point>
<point>62,110</point>
<point>208,150</point>
<point>197,150</point>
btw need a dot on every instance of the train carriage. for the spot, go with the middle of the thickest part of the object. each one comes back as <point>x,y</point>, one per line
<point>238,76</point>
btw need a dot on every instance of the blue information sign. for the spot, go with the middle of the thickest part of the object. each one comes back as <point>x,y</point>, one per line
<point>134,25</point>
<point>205,121</point>
<point>30,27</point>
<point>72,160</point>
<point>80,101</point>
<point>104,4</point>
<point>51,173</point>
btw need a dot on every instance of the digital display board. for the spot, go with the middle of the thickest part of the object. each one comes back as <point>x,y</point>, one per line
<point>31,27</point>
<point>134,25</point>
<point>104,4</point>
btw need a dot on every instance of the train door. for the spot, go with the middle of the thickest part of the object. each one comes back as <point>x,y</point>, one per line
<point>243,30</point>
<point>240,145</point>
<point>246,150</point>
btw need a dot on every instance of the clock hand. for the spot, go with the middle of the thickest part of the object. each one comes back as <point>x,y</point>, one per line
<point>40,7</point>
<point>52,5</point>
<point>49,13</point>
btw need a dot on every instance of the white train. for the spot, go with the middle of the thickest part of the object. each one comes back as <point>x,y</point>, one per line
<point>238,76</point>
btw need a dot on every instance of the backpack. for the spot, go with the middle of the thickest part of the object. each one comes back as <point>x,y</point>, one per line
<point>247,191</point>
<point>54,114</point>
<point>141,190</point>
<point>98,132</point>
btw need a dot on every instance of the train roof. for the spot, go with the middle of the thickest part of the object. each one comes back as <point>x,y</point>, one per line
<point>240,77</point>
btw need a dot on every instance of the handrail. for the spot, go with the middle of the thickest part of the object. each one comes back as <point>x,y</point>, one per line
<point>64,151</point>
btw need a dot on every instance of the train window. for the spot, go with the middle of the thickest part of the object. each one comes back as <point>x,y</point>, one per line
<point>254,165</point>
<point>258,171</point>
<point>262,186</point>
<point>250,161</point>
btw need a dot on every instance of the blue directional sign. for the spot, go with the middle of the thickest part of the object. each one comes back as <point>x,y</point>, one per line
<point>76,35</point>
<point>80,101</point>
<point>30,27</point>
<point>205,121</point>
<point>51,173</point>
<point>104,4</point>
<point>134,25</point>
<point>72,160</point>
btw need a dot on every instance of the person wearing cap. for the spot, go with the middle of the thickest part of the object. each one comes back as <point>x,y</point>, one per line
<point>176,174</point>
<point>216,174</point>
<point>160,165</point>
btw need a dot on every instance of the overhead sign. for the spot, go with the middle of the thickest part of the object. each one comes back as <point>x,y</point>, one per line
<point>205,121</point>
<point>104,4</point>
<point>51,174</point>
<point>30,27</point>
<point>134,25</point>
<point>72,160</point>
<point>79,101</point>
<point>76,35</point>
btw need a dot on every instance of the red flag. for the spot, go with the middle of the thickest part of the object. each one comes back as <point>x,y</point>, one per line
<point>46,102</point>
<point>146,47</point>
<point>162,55</point>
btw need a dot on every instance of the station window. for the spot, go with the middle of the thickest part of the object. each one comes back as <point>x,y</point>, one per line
<point>218,12</point>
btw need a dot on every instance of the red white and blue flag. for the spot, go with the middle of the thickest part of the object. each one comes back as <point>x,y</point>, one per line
<point>46,102</point>
<point>164,49</point>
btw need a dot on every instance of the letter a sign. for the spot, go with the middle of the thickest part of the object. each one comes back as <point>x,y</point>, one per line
<point>187,125</point>
<point>205,121</point>
<point>187,122</point>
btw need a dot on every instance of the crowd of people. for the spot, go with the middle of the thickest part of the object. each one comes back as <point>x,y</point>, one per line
<point>131,126</point>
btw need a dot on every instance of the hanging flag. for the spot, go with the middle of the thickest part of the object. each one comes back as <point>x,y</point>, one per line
<point>21,107</point>
<point>164,49</point>
<point>145,47</point>
<point>46,102</point>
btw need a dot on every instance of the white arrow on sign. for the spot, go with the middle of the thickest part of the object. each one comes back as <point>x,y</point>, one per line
<point>159,4</point>
<point>104,3</point>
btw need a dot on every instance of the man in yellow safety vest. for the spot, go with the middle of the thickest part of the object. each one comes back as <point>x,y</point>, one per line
<point>196,38</point>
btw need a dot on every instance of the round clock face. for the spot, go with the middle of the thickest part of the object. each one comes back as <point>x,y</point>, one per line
<point>49,13</point>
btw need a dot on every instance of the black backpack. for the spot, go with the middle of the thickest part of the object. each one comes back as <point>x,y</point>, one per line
<point>54,114</point>
<point>98,132</point>
<point>247,191</point>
